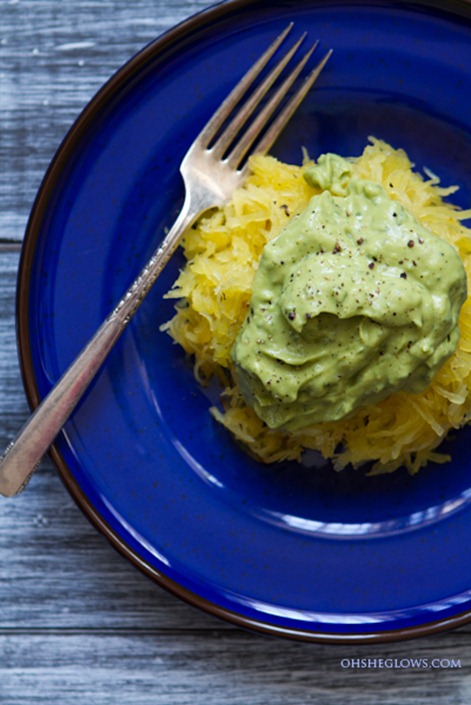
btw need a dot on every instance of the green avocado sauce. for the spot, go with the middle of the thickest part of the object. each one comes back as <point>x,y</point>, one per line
<point>352,301</point>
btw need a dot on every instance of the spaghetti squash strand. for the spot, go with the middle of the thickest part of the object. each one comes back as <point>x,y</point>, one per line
<point>223,251</point>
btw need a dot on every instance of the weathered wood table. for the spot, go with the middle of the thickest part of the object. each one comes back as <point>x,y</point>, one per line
<point>78,624</point>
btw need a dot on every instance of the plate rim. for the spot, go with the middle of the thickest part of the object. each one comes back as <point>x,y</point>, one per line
<point>51,177</point>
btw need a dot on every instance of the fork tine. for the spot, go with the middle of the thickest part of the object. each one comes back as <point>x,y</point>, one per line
<point>247,140</point>
<point>289,109</point>
<point>237,93</point>
<point>239,120</point>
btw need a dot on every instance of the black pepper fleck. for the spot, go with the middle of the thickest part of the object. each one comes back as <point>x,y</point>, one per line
<point>286,209</point>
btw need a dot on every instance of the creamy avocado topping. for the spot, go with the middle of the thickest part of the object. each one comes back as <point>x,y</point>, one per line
<point>352,301</point>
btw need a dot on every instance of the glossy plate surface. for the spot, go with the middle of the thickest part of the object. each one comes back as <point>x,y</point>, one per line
<point>288,550</point>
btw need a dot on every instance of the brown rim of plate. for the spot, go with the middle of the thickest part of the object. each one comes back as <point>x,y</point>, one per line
<point>60,159</point>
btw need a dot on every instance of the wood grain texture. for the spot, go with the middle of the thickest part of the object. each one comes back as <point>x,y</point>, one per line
<point>54,56</point>
<point>225,669</point>
<point>78,624</point>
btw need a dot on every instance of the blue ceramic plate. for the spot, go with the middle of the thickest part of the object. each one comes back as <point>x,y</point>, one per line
<point>288,550</point>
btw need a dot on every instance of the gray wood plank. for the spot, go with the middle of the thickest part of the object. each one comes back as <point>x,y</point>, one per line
<point>226,669</point>
<point>13,407</point>
<point>54,56</point>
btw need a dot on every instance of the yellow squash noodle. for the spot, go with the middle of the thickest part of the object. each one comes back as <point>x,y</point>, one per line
<point>213,292</point>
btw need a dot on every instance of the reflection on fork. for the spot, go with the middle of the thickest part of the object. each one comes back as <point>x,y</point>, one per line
<point>214,166</point>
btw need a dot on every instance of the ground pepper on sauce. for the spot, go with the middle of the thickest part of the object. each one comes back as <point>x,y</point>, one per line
<point>352,301</point>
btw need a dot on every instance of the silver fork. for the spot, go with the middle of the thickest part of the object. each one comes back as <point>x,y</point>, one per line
<point>214,166</point>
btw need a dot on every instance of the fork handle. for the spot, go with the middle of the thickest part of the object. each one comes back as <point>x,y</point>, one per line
<point>25,452</point>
